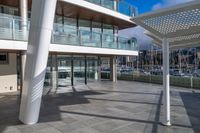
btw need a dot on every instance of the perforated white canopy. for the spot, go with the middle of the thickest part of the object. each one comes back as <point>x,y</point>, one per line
<point>180,24</point>
<point>172,28</point>
<point>177,42</point>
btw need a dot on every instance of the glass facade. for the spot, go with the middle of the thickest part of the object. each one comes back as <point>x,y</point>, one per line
<point>120,6</point>
<point>67,70</point>
<point>48,75</point>
<point>69,31</point>
<point>79,69</point>
<point>96,27</point>
<point>65,30</point>
<point>63,70</point>
<point>92,68</point>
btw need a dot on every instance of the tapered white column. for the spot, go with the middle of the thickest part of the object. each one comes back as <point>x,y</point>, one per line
<point>42,19</point>
<point>166,82</point>
<point>113,68</point>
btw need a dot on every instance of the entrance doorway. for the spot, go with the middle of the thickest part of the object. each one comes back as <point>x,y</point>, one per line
<point>64,71</point>
<point>79,70</point>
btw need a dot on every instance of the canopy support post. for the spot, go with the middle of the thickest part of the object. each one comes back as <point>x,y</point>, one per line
<point>166,82</point>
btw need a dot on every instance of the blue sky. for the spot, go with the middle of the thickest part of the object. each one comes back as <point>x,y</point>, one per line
<point>144,6</point>
<point>149,5</point>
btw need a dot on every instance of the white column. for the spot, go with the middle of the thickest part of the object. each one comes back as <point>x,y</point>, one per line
<point>42,19</point>
<point>54,73</point>
<point>96,71</point>
<point>24,17</point>
<point>166,82</point>
<point>23,63</point>
<point>99,68</point>
<point>113,69</point>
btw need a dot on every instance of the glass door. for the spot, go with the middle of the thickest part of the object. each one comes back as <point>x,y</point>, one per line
<point>92,70</point>
<point>79,70</point>
<point>64,71</point>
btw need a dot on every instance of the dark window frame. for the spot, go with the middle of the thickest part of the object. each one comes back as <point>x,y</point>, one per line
<point>6,61</point>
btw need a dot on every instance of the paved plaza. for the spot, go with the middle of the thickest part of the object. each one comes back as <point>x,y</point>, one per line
<point>106,107</point>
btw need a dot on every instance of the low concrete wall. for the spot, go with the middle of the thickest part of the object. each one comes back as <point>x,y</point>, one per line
<point>8,75</point>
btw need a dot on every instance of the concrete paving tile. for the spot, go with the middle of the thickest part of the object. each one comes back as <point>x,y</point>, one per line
<point>9,129</point>
<point>48,130</point>
<point>32,128</point>
<point>123,107</point>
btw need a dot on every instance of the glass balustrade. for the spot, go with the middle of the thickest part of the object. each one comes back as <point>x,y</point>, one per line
<point>126,8</point>
<point>123,43</point>
<point>63,34</point>
<point>15,29</point>
<point>88,38</point>
<point>117,5</point>
<point>95,1</point>
<point>109,41</point>
<point>6,28</point>
<point>110,4</point>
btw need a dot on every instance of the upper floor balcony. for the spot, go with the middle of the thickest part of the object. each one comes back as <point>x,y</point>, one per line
<point>117,5</point>
<point>113,12</point>
<point>12,29</point>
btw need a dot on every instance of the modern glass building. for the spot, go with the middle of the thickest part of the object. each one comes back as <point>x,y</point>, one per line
<point>81,35</point>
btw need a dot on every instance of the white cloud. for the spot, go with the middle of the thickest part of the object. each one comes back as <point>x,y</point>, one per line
<point>175,2</point>
<point>137,32</point>
<point>157,6</point>
<point>168,3</point>
<point>144,41</point>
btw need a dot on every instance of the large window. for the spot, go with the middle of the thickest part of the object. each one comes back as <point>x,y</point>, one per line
<point>67,25</point>
<point>108,29</point>
<point>109,40</point>
<point>108,4</point>
<point>92,68</point>
<point>84,25</point>
<point>70,22</point>
<point>3,58</point>
<point>96,27</point>
<point>65,30</point>
<point>9,10</point>
<point>64,70</point>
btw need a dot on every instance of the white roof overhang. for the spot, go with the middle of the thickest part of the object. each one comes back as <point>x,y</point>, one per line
<point>179,24</point>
